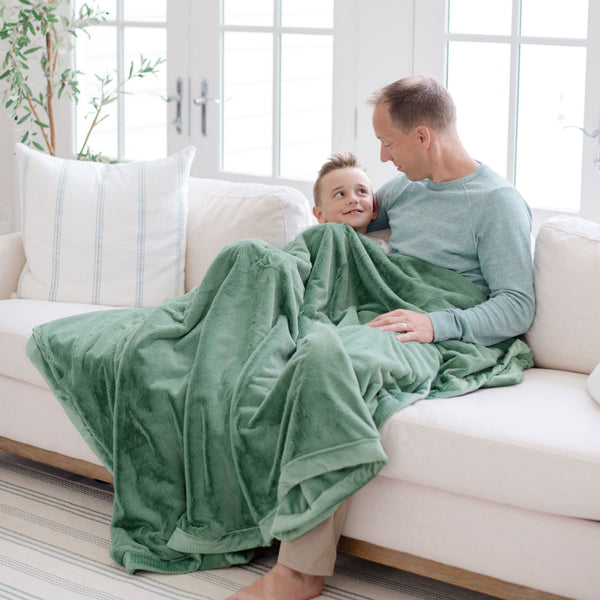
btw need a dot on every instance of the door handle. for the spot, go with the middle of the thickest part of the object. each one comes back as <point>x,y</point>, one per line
<point>178,99</point>
<point>202,101</point>
<point>593,134</point>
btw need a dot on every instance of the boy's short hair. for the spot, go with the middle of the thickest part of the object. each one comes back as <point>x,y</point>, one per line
<point>338,160</point>
<point>418,100</point>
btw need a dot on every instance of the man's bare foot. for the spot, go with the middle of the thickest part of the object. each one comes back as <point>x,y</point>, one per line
<point>282,583</point>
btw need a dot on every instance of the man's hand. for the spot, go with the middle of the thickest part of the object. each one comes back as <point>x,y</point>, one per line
<point>411,326</point>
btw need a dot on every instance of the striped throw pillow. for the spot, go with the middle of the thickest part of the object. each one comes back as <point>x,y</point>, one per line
<point>103,234</point>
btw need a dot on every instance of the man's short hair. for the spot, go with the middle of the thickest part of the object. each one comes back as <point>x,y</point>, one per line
<point>418,100</point>
<point>338,160</point>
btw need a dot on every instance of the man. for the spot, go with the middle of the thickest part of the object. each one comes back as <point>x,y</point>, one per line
<point>447,209</point>
<point>454,212</point>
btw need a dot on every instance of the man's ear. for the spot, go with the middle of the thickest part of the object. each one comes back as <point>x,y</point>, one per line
<point>423,134</point>
<point>318,212</point>
<point>375,208</point>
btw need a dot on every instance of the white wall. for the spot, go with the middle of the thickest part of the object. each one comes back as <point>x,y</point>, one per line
<point>8,169</point>
<point>7,175</point>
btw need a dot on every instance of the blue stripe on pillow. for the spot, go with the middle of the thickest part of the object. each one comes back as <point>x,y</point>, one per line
<point>24,179</point>
<point>97,281</point>
<point>141,238</point>
<point>60,197</point>
<point>181,233</point>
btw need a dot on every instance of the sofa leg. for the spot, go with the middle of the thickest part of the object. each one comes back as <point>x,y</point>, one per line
<point>54,459</point>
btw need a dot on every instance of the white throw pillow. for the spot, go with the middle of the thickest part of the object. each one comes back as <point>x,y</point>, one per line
<point>566,329</point>
<point>593,384</point>
<point>103,234</point>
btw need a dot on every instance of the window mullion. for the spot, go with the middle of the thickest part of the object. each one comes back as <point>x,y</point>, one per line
<point>120,75</point>
<point>277,90</point>
<point>513,108</point>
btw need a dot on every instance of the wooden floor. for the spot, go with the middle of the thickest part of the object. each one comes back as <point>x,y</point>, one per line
<point>361,549</point>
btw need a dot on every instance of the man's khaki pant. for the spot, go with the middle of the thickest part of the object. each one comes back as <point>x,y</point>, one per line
<point>314,553</point>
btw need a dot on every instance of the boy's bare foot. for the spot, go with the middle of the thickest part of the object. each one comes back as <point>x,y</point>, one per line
<point>282,583</point>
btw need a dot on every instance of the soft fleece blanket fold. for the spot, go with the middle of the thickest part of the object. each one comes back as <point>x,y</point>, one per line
<point>248,409</point>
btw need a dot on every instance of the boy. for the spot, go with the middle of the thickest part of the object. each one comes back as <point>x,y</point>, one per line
<point>343,193</point>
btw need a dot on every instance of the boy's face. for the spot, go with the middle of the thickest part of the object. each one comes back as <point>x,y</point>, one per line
<point>346,197</point>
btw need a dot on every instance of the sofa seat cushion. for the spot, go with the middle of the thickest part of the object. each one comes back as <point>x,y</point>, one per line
<point>17,319</point>
<point>534,445</point>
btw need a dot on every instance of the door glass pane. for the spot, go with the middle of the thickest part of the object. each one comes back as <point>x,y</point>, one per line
<point>482,109</point>
<point>551,96</point>
<point>307,13</point>
<point>306,104</point>
<point>246,12</point>
<point>96,55</point>
<point>555,18</point>
<point>135,126</point>
<point>493,17</point>
<point>248,103</point>
<point>145,116</point>
<point>145,10</point>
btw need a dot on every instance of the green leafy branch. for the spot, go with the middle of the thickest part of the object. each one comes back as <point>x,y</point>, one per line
<point>37,35</point>
<point>109,90</point>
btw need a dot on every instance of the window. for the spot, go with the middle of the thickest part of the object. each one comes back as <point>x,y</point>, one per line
<point>518,71</point>
<point>277,69</point>
<point>135,126</point>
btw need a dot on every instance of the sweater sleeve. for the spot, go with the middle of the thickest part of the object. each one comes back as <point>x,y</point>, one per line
<point>386,195</point>
<point>501,228</point>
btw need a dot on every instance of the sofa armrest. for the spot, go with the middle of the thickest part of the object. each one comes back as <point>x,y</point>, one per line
<point>12,261</point>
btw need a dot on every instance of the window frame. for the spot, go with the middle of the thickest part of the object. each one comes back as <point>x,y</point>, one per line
<point>119,24</point>
<point>430,57</point>
<point>277,30</point>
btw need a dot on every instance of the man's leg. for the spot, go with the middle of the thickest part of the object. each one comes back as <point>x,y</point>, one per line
<point>302,564</point>
<point>314,553</point>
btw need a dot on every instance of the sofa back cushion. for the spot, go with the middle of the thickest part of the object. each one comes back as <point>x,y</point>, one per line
<point>221,212</point>
<point>566,329</point>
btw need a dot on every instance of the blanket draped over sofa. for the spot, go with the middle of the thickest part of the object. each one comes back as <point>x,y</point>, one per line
<point>248,409</point>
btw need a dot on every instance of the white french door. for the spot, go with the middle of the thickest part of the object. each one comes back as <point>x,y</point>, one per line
<point>251,85</point>
<point>193,68</point>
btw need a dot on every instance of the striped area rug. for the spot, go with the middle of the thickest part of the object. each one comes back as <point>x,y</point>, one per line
<point>54,542</point>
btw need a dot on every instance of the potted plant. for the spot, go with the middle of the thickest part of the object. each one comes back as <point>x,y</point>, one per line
<point>36,38</point>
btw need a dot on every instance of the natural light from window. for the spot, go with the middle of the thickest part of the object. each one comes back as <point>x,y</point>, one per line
<point>519,84</point>
<point>134,127</point>
<point>277,87</point>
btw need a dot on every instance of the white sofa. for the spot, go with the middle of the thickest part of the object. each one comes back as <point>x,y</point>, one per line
<point>497,490</point>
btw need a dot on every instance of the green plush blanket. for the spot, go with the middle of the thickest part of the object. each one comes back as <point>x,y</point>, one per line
<point>248,409</point>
